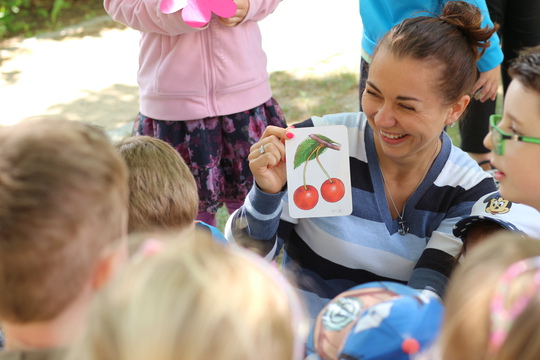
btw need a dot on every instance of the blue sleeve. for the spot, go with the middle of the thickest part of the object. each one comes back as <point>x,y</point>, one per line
<point>256,223</point>
<point>493,55</point>
<point>216,234</point>
<point>379,16</point>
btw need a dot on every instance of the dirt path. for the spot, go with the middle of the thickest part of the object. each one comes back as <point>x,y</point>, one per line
<point>88,72</point>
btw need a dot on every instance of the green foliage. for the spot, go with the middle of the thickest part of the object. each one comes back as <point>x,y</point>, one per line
<point>29,17</point>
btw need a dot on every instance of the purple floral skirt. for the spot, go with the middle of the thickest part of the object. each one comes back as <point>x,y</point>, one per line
<point>216,149</point>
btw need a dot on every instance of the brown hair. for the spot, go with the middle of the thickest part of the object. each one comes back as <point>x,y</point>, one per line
<point>526,68</point>
<point>63,199</point>
<point>450,41</point>
<point>163,192</point>
<point>466,326</point>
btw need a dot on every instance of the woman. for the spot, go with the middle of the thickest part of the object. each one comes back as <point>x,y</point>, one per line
<point>380,15</point>
<point>410,185</point>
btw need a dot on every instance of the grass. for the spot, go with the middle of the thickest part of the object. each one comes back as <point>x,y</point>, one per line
<point>30,21</point>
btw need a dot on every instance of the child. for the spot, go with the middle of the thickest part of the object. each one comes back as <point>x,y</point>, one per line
<point>195,300</point>
<point>377,320</point>
<point>493,302</point>
<point>63,223</point>
<point>515,137</point>
<point>163,192</point>
<point>205,91</point>
<point>492,213</point>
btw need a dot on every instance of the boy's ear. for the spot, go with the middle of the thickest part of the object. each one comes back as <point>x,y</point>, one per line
<point>112,259</point>
<point>457,109</point>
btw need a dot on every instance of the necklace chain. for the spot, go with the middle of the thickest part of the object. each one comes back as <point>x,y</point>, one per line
<point>404,228</point>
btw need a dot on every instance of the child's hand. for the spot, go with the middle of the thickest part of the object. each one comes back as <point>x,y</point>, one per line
<point>488,84</point>
<point>242,7</point>
<point>267,159</point>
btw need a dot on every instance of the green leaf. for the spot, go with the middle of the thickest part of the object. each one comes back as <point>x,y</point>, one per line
<point>306,151</point>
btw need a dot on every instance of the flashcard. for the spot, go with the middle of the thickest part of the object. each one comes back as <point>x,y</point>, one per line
<point>318,173</point>
<point>197,13</point>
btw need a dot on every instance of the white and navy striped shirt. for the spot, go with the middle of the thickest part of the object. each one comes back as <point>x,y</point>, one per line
<point>332,254</point>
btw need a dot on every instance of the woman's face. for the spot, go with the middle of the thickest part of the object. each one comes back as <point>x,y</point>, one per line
<point>519,174</point>
<point>403,107</point>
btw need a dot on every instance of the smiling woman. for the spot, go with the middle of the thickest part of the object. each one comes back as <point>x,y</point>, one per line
<point>409,183</point>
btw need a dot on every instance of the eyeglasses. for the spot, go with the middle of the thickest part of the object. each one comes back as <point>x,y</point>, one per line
<point>498,136</point>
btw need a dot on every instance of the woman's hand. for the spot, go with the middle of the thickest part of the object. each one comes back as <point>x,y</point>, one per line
<point>488,84</point>
<point>267,159</point>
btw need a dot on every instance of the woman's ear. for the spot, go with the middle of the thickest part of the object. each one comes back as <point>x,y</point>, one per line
<point>457,109</point>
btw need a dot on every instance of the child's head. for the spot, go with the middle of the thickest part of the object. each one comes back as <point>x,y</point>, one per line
<point>194,299</point>
<point>515,137</point>
<point>163,192</point>
<point>377,320</point>
<point>481,293</point>
<point>492,213</point>
<point>63,202</point>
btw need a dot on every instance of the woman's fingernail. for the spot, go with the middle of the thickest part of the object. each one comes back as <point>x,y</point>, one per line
<point>290,135</point>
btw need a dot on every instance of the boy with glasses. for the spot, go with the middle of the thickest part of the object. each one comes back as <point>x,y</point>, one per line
<point>515,136</point>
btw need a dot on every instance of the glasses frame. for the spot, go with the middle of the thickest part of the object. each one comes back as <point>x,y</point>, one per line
<point>498,136</point>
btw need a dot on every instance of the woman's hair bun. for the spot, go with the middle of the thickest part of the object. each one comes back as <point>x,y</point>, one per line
<point>467,18</point>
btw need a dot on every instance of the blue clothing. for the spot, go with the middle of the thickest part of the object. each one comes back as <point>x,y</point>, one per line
<point>379,16</point>
<point>216,234</point>
<point>1,340</point>
<point>330,255</point>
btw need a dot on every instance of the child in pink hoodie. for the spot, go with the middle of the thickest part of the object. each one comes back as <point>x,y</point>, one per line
<point>205,91</point>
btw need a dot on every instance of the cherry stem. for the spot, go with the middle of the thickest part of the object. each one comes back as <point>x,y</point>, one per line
<point>325,143</point>
<point>309,158</point>
<point>322,167</point>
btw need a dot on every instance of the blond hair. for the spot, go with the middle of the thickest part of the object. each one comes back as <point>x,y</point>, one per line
<point>467,324</point>
<point>63,199</point>
<point>194,300</point>
<point>163,191</point>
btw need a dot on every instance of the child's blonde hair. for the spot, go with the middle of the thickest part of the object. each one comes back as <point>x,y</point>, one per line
<point>163,191</point>
<point>63,201</point>
<point>194,300</point>
<point>468,327</point>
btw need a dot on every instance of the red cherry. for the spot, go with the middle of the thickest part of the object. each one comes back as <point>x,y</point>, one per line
<point>332,190</point>
<point>306,197</point>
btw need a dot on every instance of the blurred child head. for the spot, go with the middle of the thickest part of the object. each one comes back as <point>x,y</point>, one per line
<point>63,203</point>
<point>493,313</point>
<point>163,192</point>
<point>377,320</point>
<point>492,213</point>
<point>195,299</point>
<point>516,156</point>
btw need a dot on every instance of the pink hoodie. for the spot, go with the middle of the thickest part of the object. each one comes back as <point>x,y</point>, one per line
<point>188,73</point>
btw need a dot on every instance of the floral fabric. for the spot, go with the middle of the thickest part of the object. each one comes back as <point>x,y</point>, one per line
<point>216,149</point>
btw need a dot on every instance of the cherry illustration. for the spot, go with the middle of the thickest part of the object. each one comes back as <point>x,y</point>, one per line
<point>306,197</point>
<point>332,190</point>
